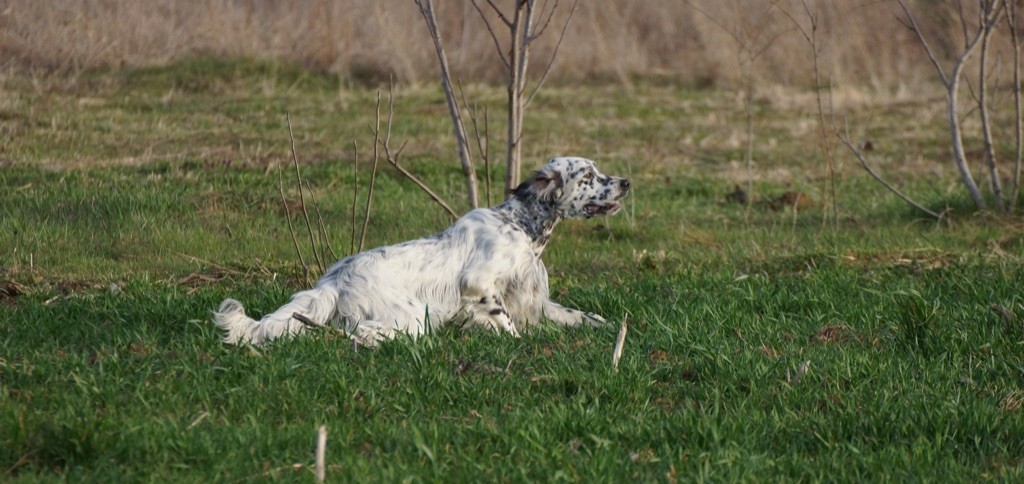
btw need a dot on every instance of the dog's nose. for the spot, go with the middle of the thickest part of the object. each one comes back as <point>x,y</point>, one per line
<point>624,183</point>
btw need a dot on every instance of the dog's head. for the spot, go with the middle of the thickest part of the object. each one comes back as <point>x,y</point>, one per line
<point>574,189</point>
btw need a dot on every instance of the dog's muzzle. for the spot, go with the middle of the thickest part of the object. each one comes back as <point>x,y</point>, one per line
<point>612,207</point>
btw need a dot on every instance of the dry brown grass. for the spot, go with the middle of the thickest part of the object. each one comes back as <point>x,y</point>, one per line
<point>366,40</point>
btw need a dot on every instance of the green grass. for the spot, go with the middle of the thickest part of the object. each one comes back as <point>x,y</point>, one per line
<point>126,218</point>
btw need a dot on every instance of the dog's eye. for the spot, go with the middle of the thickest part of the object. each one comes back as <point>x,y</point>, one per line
<point>589,175</point>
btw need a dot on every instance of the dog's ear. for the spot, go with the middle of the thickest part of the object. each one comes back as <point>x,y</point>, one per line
<point>544,185</point>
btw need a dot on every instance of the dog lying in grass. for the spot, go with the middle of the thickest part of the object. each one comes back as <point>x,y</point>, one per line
<point>483,271</point>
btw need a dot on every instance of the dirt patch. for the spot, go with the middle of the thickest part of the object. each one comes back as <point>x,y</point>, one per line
<point>929,260</point>
<point>9,290</point>
<point>838,334</point>
<point>658,356</point>
<point>216,274</point>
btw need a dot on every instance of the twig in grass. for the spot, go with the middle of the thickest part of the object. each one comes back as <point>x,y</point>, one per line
<point>794,378</point>
<point>24,459</point>
<point>198,419</point>
<point>313,324</point>
<point>619,341</point>
<point>321,453</point>
<point>304,320</point>
<point>302,198</point>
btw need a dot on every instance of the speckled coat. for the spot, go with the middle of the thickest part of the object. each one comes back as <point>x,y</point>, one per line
<point>483,271</point>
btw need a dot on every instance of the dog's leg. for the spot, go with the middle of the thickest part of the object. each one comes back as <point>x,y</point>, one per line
<point>372,333</point>
<point>570,317</point>
<point>488,311</point>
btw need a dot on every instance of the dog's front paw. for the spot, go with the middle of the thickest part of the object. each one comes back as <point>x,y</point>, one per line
<point>594,320</point>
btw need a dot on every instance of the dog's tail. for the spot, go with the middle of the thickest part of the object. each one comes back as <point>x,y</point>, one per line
<point>318,305</point>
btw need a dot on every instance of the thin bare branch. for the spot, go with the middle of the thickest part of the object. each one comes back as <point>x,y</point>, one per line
<point>498,11</point>
<point>487,156</point>
<point>291,229</point>
<point>355,196</point>
<point>963,21</point>
<point>796,23</point>
<point>754,54</point>
<point>434,196</point>
<point>924,43</point>
<point>714,20</point>
<point>392,158</point>
<point>482,142</point>
<point>302,198</point>
<point>544,25</point>
<point>825,141</point>
<point>325,239</point>
<point>461,140</point>
<point>554,53</point>
<point>373,174</point>
<point>986,127</point>
<point>860,156</point>
<point>494,36</point>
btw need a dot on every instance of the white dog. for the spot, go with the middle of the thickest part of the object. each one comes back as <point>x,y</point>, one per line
<point>484,271</point>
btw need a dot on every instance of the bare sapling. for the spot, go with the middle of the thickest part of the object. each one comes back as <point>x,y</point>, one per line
<point>302,198</point>
<point>988,14</point>
<point>519,23</point>
<point>320,244</point>
<point>522,32</point>
<point>825,139</point>
<point>751,39</point>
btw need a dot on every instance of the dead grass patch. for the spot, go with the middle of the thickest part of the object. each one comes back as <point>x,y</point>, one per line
<point>1012,402</point>
<point>836,334</point>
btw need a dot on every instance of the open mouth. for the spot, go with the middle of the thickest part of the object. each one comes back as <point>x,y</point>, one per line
<point>595,209</point>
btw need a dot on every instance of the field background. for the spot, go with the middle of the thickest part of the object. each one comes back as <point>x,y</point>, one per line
<point>144,145</point>
<point>694,41</point>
